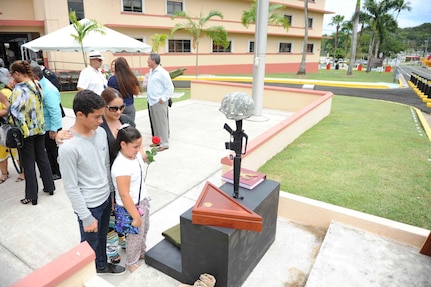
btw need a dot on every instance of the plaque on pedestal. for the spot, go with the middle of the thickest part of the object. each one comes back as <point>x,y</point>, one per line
<point>214,207</point>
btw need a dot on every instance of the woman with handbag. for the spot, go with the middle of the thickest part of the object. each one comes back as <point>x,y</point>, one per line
<point>26,113</point>
<point>132,208</point>
<point>5,152</point>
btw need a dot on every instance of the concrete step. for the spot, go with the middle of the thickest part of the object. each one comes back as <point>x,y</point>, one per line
<point>286,263</point>
<point>353,257</point>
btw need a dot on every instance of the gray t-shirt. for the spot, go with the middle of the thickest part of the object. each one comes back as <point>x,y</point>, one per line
<point>84,166</point>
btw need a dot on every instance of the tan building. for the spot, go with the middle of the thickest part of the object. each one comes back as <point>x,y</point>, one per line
<point>24,20</point>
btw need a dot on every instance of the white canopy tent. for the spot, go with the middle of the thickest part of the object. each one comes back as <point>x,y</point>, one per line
<point>61,40</point>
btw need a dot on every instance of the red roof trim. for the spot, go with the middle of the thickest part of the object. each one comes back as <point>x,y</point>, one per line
<point>22,23</point>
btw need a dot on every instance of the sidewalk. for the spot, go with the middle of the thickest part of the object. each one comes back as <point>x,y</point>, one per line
<point>35,235</point>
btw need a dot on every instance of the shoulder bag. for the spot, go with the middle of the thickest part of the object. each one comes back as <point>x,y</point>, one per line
<point>11,137</point>
<point>123,220</point>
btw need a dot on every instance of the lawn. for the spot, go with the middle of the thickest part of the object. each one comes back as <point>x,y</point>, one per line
<point>367,155</point>
<point>140,102</point>
<point>337,75</point>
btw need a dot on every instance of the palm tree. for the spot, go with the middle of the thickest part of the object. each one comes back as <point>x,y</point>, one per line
<point>336,20</point>
<point>346,28</point>
<point>250,17</point>
<point>377,11</point>
<point>82,30</point>
<point>301,70</point>
<point>400,5</point>
<point>197,29</point>
<point>364,19</point>
<point>354,37</point>
<point>157,40</point>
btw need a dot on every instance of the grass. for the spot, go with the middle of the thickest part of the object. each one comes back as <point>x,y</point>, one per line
<point>367,155</point>
<point>140,102</point>
<point>338,75</point>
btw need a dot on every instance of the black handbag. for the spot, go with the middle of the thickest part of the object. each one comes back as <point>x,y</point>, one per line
<point>11,136</point>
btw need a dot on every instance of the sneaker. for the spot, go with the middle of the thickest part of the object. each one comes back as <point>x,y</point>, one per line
<point>111,269</point>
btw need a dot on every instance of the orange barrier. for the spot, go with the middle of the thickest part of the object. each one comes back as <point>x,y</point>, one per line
<point>77,263</point>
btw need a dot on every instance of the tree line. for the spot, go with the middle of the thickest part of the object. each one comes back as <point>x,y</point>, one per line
<point>377,33</point>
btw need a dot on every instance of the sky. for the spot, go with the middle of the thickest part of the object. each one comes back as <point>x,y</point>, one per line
<point>420,13</point>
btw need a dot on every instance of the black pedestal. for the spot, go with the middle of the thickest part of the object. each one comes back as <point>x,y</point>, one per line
<point>228,254</point>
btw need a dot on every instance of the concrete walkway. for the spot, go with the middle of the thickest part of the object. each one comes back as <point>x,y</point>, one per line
<point>35,235</point>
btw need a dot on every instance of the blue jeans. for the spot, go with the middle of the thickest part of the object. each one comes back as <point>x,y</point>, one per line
<point>97,240</point>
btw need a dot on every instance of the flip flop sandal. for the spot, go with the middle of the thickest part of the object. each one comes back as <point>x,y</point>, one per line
<point>115,259</point>
<point>19,179</point>
<point>4,179</point>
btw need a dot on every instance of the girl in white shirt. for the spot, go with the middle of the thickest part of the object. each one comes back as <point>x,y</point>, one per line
<point>128,176</point>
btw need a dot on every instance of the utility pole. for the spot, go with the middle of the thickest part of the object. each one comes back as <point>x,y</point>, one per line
<point>261,35</point>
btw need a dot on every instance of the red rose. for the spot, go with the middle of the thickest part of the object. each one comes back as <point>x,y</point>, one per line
<point>156,140</point>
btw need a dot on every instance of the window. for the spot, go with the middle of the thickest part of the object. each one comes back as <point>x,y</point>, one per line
<point>288,19</point>
<point>179,46</point>
<point>310,48</point>
<point>221,49</point>
<point>173,6</point>
<point>285,48</point>
<point>133,6</point>
<point>78,7</point>
<point>251,47</point>
<point>310,22</point>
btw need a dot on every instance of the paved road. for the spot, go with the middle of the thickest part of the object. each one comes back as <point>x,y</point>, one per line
<point>407,70</point>
<point>404,95</point>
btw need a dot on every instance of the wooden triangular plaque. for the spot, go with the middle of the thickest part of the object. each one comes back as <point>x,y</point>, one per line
<point>216,208</point>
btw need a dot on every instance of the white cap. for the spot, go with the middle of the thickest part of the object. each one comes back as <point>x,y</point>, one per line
<point>95,55</point>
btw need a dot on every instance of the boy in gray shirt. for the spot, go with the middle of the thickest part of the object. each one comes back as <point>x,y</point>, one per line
<point>84,165</point>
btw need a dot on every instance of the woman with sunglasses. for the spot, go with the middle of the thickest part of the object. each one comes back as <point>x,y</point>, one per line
<point>125,81</point>
<point>114,118</point>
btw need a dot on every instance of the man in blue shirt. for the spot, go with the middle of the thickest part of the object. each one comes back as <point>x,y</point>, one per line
<point>53,118</point>
<point>159,89</point>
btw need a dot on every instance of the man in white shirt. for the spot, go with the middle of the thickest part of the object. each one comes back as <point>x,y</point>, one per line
<point>91,78</point>
<point>159,89</point>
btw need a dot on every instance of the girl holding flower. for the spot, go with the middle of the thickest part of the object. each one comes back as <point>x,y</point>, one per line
<point>128,175</point>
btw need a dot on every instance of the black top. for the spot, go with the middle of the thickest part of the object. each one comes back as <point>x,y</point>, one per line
<point>52,77</point>
<point>124,119</point>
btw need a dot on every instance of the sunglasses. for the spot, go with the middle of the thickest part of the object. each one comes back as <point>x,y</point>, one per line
<point>115,108</point>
